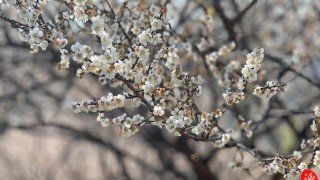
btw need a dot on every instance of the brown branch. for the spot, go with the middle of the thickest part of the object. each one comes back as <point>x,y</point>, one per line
<point>135,91</point>
<point>240,16</point>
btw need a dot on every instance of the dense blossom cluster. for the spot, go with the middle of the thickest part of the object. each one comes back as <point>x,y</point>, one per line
<point>250,74</point>
<point>285,166</point>
<point>36,31</point>
<point>316,159</point>
<point>136,50</point>
<point>250,70</point>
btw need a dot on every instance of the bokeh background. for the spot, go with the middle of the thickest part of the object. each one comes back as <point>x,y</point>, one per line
<point>41,138</point>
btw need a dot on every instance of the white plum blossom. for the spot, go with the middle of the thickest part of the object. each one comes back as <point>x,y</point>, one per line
<point>156,24</point>
<point>225,138</point>
<point>143,54</point>
<point>97,26</point>
<point>106,40</point>
<point>77,46</point>
<point>158,111</point>
<point>303,165</point>
<point>148,87</point>
<point>80,14</point>
<point>145,37</point>
<point>253,64</point>
<point>250,74</point>
<point>61,42</point>
<point>64,62</point>
<point>36,34</point>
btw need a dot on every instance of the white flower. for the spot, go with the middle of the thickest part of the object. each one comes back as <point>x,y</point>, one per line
<point>297,154</point>
<point>87,51</point>
<point>79,56</point>
<point>233,97</point>
<point>145,37</point>
<point>119,100</point>
<point>198,129</point>
<point>226,49</point>
<point>35,34</point>
<point>303,165</point>
<point>257,91</point>
<point>61,43</point>
<point>148,87</point>
<point>76,47</point>
<point>97,26</point>
<point>172,61</point>
<point>225,138</point>
<point>96,61</point>
<point>118,67</point>
<point>253,64</point>
<point>106,40</point>
<point>156,39</point>
<point>249,74</point>
<point>64,62</point>
<point>143,54</point>
<point>156,24</point>
<point>105,122</point>
<point>158,111</point>
<point>316,159</point>
<point>269,90</point>
<point>80,14</point>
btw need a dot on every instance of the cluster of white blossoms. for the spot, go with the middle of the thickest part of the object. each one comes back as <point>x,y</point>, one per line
<point>36,32</point>
<point>249,74</point>
<point>286,166</point>
<point>253,64</point>
<point>103,104</point>
<point>269,90</point>
<point>316,158</point>
<point>233,97</point>
<point>143,68</point>
<point>225,138</point>
<point>129,125</point>
<point>177,121</point>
